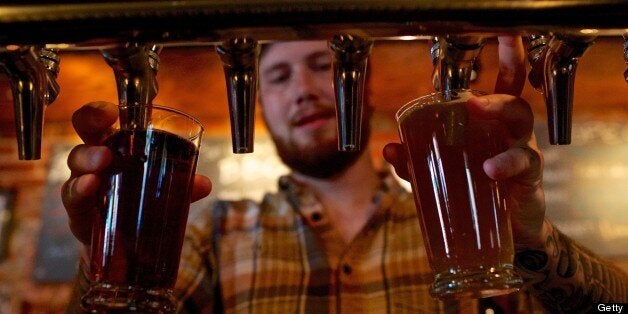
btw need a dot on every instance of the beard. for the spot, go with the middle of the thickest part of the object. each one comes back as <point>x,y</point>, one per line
<point>322,160</point>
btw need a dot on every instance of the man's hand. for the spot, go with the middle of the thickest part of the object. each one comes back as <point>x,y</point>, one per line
<point>93,123</point>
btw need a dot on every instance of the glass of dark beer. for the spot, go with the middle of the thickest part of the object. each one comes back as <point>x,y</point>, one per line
<point>463,213</point>
<point>141,215</point>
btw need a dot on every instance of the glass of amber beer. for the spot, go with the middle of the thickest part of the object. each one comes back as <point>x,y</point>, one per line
<point>141,215</point>
<point>463,213</point>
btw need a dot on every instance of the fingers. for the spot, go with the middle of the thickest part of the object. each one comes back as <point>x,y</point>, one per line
<point>79,192</point>
<point>395,155</point>
<point>514,112</point>
<point>523,160</point>
<point>78,196</point>
<point>201,188</point>
<point>93,121</point>
<point>89,159</point>
<point>523,163</point>
<point>512,66</point>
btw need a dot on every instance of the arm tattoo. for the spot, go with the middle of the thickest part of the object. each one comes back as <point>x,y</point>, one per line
<point>566,277</point>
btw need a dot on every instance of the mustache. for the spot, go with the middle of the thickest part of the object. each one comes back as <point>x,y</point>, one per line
<point>306,115</point>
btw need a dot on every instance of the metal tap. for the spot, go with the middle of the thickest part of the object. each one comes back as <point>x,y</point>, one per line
<point>240,58</point>
<point>553,72</point>
<point>434,56</point>
<point>32,72</point>
<point>350,58</point>
<point>537,49</point>
<point>454,57</point>
<point>135,68</point>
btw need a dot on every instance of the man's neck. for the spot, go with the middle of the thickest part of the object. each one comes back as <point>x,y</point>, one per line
<point>348,196</point>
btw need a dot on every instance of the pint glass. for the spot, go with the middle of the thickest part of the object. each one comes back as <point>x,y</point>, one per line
<point>463,213</point>
<point>141,216</point>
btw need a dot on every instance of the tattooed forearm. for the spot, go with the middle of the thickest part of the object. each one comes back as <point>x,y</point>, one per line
<point>569,278</point>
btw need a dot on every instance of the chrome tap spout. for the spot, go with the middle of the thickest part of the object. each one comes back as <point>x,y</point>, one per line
<point>559,70</point>
<point>240,58</point>
<point>32,72</point>
<point>350,58</point>
<point>456,56</point>
<point>135,68</point>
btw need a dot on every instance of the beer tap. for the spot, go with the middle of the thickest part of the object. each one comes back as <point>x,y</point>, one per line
<point>32,72</point>
<point>135,68</point>
<point>240,58</point>
<point>454,56</point>
<point>554,64</point>
<point>350,58</point>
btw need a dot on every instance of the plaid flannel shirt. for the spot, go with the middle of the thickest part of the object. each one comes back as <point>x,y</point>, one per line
<point>283,255</point>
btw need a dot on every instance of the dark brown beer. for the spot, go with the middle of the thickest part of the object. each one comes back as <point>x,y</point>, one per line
<point>464,215</point>
<point>140,224</point>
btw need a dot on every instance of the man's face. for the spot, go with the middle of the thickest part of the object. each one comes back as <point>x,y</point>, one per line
<point>298,105</point>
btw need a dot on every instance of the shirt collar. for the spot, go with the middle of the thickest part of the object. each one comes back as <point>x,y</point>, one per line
<point>300,196</point>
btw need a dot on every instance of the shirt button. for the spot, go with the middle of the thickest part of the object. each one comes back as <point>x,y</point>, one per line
<point>346,268</point>
<point>316,217</point>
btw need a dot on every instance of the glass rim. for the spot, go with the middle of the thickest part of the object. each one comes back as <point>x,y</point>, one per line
<point>401,111</point>
<point>407,106</point>
<point>177,111</point>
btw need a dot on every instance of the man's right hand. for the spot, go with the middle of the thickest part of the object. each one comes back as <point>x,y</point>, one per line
<point>93,123</point>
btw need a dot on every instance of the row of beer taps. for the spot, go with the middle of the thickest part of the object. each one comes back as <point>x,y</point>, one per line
<point>553,59</point>
<point>32,72</point>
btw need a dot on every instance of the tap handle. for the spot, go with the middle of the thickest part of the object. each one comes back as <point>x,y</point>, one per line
<point>456,57</point>
<point>135,68</point>
<point>240,58</point>
<point>350,58</point>
<point>560,64</point>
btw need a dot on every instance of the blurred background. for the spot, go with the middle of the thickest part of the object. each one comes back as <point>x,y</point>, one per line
<point>586,182</point>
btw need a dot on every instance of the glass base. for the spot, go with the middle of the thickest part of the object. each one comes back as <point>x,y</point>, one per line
<point>475,283</point>
<point>106,298</point>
